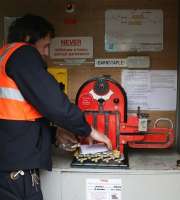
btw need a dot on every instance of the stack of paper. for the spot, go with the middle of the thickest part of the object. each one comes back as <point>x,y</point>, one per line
<point>92,149</point>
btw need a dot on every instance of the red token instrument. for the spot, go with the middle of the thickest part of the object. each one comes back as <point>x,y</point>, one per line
<point>104,103</point>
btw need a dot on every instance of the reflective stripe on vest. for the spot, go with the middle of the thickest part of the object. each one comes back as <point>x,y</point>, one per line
<point>13,106</point>
<point>11,93</point>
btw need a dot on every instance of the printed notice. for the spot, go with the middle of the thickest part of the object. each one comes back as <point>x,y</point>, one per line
<point>71,47</point>
<point>103,189</point>
<point>150,89</point>
<point>133,30</point>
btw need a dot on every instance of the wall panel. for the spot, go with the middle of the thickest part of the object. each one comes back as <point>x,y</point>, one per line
<point>90,22</point>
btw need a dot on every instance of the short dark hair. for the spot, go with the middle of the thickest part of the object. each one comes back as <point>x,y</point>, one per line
<point>36,27</point>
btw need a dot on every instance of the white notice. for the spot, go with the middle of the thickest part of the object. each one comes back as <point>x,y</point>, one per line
<point>133,30</point>
<point>71,47</point>
<point>103,189</point>
<point>150,89</point>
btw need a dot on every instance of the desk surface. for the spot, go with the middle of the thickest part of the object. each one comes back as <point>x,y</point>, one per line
<point>140,161</point>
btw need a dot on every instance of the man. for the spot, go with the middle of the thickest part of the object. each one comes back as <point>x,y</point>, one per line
<point>29,99</point>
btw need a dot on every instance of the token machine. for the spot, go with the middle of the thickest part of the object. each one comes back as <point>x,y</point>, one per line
<point>104,103</point>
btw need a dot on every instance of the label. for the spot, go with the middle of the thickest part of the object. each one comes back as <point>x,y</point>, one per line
<point>110,62</point>
<point>103,189</point>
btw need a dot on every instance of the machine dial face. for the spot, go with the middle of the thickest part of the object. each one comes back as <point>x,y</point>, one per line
<point>101,87</point>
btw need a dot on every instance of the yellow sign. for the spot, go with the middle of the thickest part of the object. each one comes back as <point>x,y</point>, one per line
<point>60,74</point>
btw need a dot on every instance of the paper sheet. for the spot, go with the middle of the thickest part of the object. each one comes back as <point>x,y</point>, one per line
<point>150,89</point>
<point>133,30</point>
<point>92,149</point>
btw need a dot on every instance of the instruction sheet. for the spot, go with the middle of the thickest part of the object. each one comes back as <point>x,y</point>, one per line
<point>150,89</point>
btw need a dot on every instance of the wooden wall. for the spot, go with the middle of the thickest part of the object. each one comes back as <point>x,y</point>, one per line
<point>90,22</point>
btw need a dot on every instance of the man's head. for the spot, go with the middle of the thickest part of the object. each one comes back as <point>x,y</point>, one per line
<point>32,29</point>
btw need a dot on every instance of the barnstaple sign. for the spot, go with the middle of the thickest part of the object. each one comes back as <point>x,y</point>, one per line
<point>110,62</point>
<point>71,47</point>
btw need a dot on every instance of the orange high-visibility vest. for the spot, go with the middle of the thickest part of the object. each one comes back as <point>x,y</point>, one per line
<point>13,106</point>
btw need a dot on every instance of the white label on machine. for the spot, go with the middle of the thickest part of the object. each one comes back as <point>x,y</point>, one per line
<point>142,126</point>
<point>103,189</point>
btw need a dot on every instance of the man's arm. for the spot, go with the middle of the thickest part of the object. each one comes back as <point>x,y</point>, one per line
<point>28,70</point>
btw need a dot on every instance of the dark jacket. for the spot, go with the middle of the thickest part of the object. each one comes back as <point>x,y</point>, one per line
<point>24,144</point>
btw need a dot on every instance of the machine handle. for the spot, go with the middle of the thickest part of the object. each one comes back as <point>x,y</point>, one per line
<point>163,119</point>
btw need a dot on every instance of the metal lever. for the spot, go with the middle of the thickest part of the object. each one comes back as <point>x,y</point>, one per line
<point>163,119</point>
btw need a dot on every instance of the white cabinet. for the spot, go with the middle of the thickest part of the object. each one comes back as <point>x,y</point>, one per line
<point>151,176</point>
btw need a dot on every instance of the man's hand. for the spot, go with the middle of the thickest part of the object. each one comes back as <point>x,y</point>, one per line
<point>95,135</point>
<point>65,139</point>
